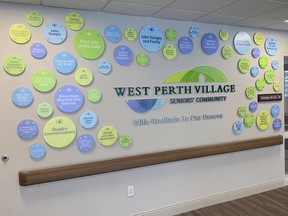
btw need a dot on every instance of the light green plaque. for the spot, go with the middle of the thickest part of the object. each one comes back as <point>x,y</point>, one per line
<point>223,34</point>
<point>249,119</point>
<point>43,80</point>
<point>244,65</point>
<point>94,95</point>
<point>34,18</point>
<point>142,59</point>
<point>269,76</point>
<point>250,92</point>
<point>170,34</point>
<point>227,52</point>
<point>14,65</point>
<point>260,84</point>
<point>263,62</point>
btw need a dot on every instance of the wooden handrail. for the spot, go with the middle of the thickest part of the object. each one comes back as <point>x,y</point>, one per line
<point>32,177</point>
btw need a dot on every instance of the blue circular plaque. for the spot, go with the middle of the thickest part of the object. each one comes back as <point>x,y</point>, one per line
<point>104,67</point>
<point>22,97</point>
<point>275,110</point>
<point>151,38</point>
<point>85,143</point>
<point>194,31</point>
<point>255,52</point>
<point>123,55</point>
<point>210,43</point>
<point>277,124</point>
<point>68,99</point>
<point>27,129</point>
<point>238,126</point>
<point>38,50</point>
<point>275,64</point>
<point>37,151</point>
<point>242,43</point>
<point>253,106</point>
<point>112,33</point>
<point>271,46</point>
<point>185,45</point>
<point>64,62</point>
<point>254,71</point>
<point>55,33</point>
<point>88,119</point>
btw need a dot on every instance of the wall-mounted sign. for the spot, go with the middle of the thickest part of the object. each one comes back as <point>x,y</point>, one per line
<point>263,120</point>
<point>275,110</point>
<point>38,50</point>
<point>260,83</point>
<point>44,110</point>
<point>250,92</point>
<point>27,129</point>
<point>64,62</point>
<point>107,135</point>
<point>258,38</point>
<point>275,64</point>
<point>185,45</point>
<point>94,95</point>
<point>68,99</point>
<point>104,67</point>
<point>130,34</point>
<point>242,111</point>
<point>123,55</point>
<point>249,120</point>
<point>34,18</point>
<point>269,76</point>
<point>254,71</point>
<point>277,124</point>
<point>59,132</point>
<point>242,43</point>
<point>142,59</point>
<point>238,126</point>
<point>112,33</point>
<point>89,44</point>
<point>271,46</point>
<point>43,80</point>
<point>37,151</point>
<point>171,34</point>
<point>20,33</point>
<point>151,38</point>
<point>88,119</point>
<point>169,51</point>
<point>125,140</point>
<point>253,106</point>
<point>14,65</point>
<point>263,62</point>
<point>55,33</point>
<point>209,43</point>
<point>227,52</point>
<point>194,31</point>
<point>244,65</point>
<point>269,97</point>
<point>83,76</point>
<point>255,52</point>
<point>85,143</point>
<point>276,86</point>
<point>74,21</point>
<point>22,97</point>
<point>224,34</point>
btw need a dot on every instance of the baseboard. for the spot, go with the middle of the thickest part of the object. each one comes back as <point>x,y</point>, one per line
<point>215,199</point>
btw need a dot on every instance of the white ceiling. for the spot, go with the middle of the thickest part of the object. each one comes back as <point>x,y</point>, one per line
<point>268,14</point>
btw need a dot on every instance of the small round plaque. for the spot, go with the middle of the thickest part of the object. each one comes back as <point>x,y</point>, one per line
<point>276,86</point>
<point>194,31</point>
<point>171,34</point>
<point>37,151</point>
<point>38,50</point>
<point>27,129</point>
<point>169,51</point>
<point>107,135</point>
<point>22,97</point>
<point>43,80</point>
<point>238,126</point>
<point>34,18</point>
<point>275,64</point>
<point>142,59</point>
<point>269,76</point>
<point>224,34</point>
<point>227,52</point>
<point>263,62</point>
<point>244,65</point>
<point>260,84</point>
<point>88,119</point>
<point>74,21</point>
<point>253,106</point>
<point>64,62</point>
<point>20,33</point>
<point>55,33</point>
<point>258,38</point>
<point>254,71</point>
<point>14,65</point>
<point>209,43</point>
<point>85,143</point>
<point>277,124</point>
<point>104,67</point>
<point>94,95</point>
<point>255,52</point>
<point>275,110</point>
<point>44,110</point>
<point>130,34</point>
<point>185,45</point>
<point>242,111</point>
<point>125,140</point>
<point>263,120</point>
<point>123,55</point>
<point>250,92</point>
<point>113,34</point>
<point>249,120</point>
<point>83,76</point>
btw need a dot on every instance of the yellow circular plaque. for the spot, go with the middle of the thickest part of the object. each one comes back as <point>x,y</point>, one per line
<point>130,34</point>
<point>169,51</point>
<point>276,86</point>
<point>258,38</point>
<point>107,135</point>
<point>74,21</point>
<point>20,33</point>
<point>263,120</point>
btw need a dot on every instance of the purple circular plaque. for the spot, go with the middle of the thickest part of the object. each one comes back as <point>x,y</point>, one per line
<point>185,45</point>
<point>210,43</point>
<point>38,50</point>
<point>277,124</point>
<point>27,129</point>
<point>253,106</point>
<point>123,55</point>
<point>85,143</point>
<point>255,52</point>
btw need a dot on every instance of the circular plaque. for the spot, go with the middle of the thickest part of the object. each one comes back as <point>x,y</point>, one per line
<point>269,76</point>
<point>125,140</point>
<point>275,110</point>
<point>37,151</point>
<point>238,126</point>
<point>242,111</point>
<point>22,97</point>
<point>276,86</point>
<point>107,135</point>
<point>249,119</point>
<point>185,45</point>
<point>104,67</point>
<point>123,55</point>
<point>85,143</point>
<point>227,52</point>
<point>254,71</point>
<point>44,110</point>
<point>263,120</point>
<point>151,38</point>
<point>242,43</point>
<point>250,92</point>
<point>277,124</point>
<point>74,21</point>
<point>260,84</point>
<point>69,99</point>
<point>88,119</point>
<point>244,65</point>
<point>209,43</point>
<point>55,33</point>
<point>27,129</point>
<point>83,76</point>
<point>169,51</point>
<point>34,18</point>
<point>275,64</point>
<point>43,80</point>
<point>223,34</point>
<point>64,62</point>
<point>253,106</point>
<point>194,31</point>
<point>171,34</point>
<point>20,33</point>
<point>271,46</point>
<point>14,65</point>
<point>113,33</point>
<point>59,132</point>
<point>263,62</point>
<point>255,52</point>
<point>258,38</point>
<point>142,59</point>
<point>38,50</point>
<point>130,34</point>
<point>94,95</point>
<point>89,44</point>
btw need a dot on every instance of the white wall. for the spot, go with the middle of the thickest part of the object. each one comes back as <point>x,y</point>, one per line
<point>157,186</point>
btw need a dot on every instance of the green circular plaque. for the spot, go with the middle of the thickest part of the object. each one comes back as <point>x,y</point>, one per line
<point>269,76</point>
<point>74,21</point>
<point>34,18</point>
<point>44,110</point>
<point>169,51</point>
<point>94,95</point>
<point>14,65</point>
<point>276,86</point>
<point>130,34</point>
<point>89,44</point>
<point>249,119</point>
<point>260,84</point>
<point>125,140</point>
<point>142,59</point>
<point>244,65</point>
<point>250,92</point>
<point>19,33</point>
<point>107,135</point>
<point>242,111</point>
<point>258,38</point>
<point>170,34</point>
<point>223,34</point>
<point>227,52</point>
<point>84,76</point>
<point>263,62</point>
<point>43,80</point>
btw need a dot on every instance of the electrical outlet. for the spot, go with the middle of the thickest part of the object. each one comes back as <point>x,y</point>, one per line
<point>130,191</point>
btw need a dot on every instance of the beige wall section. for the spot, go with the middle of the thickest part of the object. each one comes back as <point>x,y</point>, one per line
<point>157,186</point>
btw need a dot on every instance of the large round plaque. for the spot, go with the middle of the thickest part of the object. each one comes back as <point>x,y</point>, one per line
<point>55,33</point>
<point>85,143</point>
<point>107,135</point>
<point>242,43</point>
<point>34,18</point>
<point>43,80</point>
<point>22,97</point>
<point>185,45</point>
<point>14,65</point>
<point>38,50</point>
<point>74,21</point>
<point>263,120</point>
<point>59,132</point>
<point>271,46</point>
<point>123,55</point>
<point>19,33</point>
<point>69,99</point>
<point>64,62</point>
<point>27,129</point>
<point>209,43</point>
<point>89,44</point>
<point>113,33</point>
<point>151,38</point>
